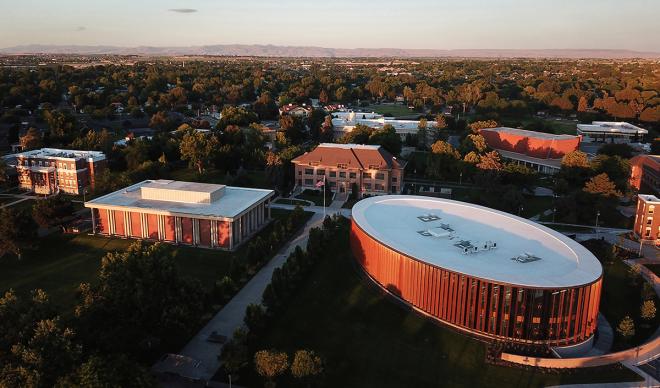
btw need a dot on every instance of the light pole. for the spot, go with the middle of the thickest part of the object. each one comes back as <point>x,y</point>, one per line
<point>597,215</point>
<point>554,211</point>
<point>520,209</point>
<point>460,179</point>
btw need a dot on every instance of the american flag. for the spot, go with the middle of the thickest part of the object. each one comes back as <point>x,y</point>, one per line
<point>320,184</point>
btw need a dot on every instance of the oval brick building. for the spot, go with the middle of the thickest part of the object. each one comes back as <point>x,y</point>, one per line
<point>480,270</point>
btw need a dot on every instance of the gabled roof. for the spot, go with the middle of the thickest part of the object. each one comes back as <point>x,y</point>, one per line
<point>353,155</point>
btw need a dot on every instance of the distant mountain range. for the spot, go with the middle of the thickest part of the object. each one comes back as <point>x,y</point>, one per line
<point>322,52</point>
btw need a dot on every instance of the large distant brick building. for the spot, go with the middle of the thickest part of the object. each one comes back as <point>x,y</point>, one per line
<point>647,219</point>
<point>52,170</point>
<point>199,214</point>
<point>538,150</point>
<point>645,173</point>
<point>373,169</point>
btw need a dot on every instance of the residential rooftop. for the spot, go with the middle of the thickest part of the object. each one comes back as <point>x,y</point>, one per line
<point>182,198</point>
<point>500,247</point>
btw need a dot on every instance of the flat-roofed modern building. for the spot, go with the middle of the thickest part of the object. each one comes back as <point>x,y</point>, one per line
<point>372,168</point>
<point>647,218</point>
<point>479,270</point>
<point>538,150</point>
<point>610,132</point>
<point>344,122</point>
<point>200,214</point>
<point>53,170</point>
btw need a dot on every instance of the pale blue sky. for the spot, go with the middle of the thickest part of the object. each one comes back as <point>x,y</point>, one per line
<point>439,24</point>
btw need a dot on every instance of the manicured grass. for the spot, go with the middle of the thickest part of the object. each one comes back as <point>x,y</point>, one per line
<point>620,298</point>
<point>536,205</point>
<point>316,197</point>
<point>62,262</point>
<point>394,110</point>
<point>368,340</point>
<point>290,201</point>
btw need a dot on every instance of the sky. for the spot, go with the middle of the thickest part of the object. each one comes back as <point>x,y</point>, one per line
<point>430,24</point>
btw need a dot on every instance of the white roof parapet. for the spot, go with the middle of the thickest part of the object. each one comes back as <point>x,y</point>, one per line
<point>59,153</point>
<point>612,127</point>
<point>491,237</point>
<point>183,198</point>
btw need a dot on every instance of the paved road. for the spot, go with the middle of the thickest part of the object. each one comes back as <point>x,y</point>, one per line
<point>230,318</point>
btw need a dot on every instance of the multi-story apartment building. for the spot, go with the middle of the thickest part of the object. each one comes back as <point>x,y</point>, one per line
<point>645,174</point>
<point>51,170</point>
<point>373,169</point>
<point>647,220</point>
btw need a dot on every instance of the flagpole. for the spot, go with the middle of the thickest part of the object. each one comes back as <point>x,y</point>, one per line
<point>323,192</point>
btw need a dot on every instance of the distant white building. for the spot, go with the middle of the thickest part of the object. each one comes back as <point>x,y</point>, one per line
<point>610,132</point>
<point>346,121</point>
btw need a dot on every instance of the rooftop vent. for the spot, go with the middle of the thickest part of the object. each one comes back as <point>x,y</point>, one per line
<point>469,247</point>
<point>526,258</point>
<point>428,217</point>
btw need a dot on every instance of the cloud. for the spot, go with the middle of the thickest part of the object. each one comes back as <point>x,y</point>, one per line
<point>182,10</point>
<point>81,28</point>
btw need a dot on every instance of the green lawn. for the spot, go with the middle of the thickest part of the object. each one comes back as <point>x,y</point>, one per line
<point>62,262</point>
<point>621,298</point>
<point>316,197</point>
<point>394,110</point>
<point>368,340</point>
<point>291,201</point>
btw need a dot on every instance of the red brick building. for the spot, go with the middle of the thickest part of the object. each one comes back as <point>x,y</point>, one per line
<point>372,168</point>
<point>538,150</point>
<point>647,220</point>
<point>51,170</point>
<point>198,214</point>
<point>645,173</point>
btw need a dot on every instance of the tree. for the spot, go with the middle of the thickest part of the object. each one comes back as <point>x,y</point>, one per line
<point>31,140</point>
<point>140,303</point>
<point>270,364</point>
<point>490,161</point>
<point>18,232</point>
<point>575,159</point>
<point>477,125</point>
<point>306,364</point>
<point>294,128</point>
<point>108,371</point>
<point>3,172</point>
<point>648,310</point>
<point>617,149</point>
<point>235,354</point>
<point>52,211</point>
<point>387,138</point>
<point>626,327</point>
<point>232,115</point>
<point>198,148</point>
<point>603,186</point>
<point>582,104</point>
<point>48,354</point>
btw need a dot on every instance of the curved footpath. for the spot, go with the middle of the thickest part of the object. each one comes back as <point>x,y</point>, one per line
<point>631,358</point>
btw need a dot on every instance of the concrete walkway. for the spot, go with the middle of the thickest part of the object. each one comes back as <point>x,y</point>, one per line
<point>605,339</point>
<point>230,318</point>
